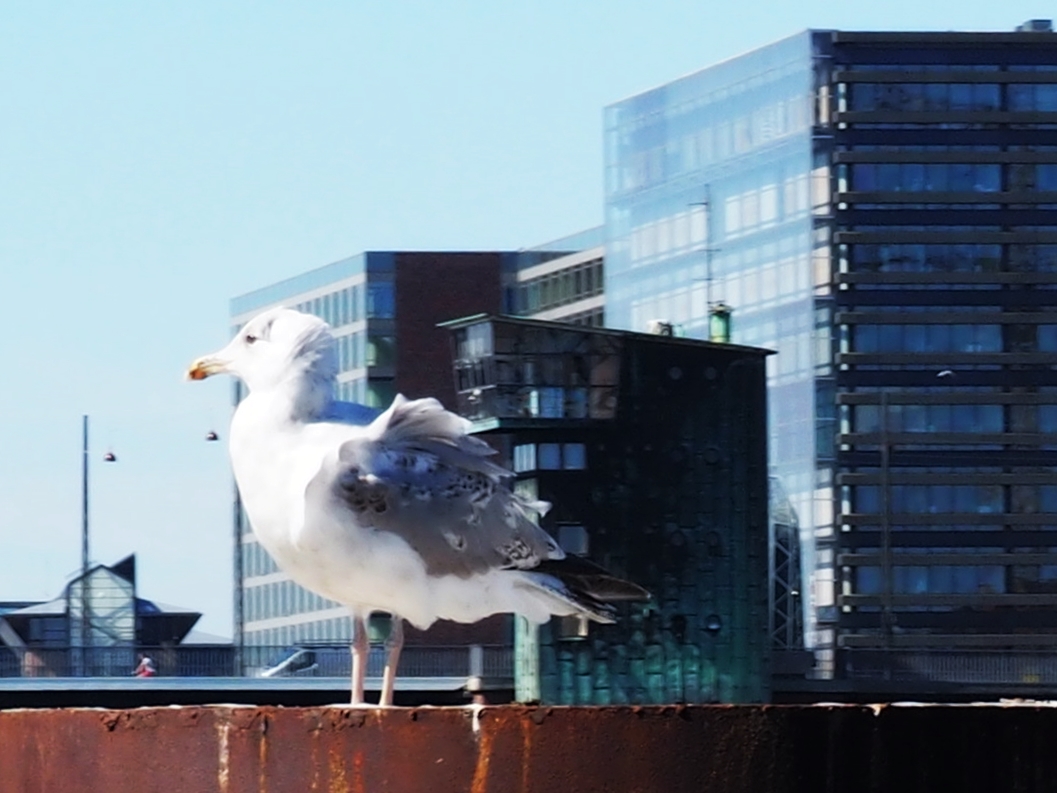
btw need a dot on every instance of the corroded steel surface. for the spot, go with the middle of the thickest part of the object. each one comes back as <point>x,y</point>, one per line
<point>522,749</point>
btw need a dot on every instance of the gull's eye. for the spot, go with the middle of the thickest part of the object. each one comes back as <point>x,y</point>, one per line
<point>250,338</point>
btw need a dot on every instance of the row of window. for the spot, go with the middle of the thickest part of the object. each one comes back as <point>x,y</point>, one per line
<point>594,318</point>
<point>280,599</point>
<point>912,177</point>
<point>932,97</point>
<point>714,133</point>
<point>550,457</point>
<point>256,561</point>
<point>560,288</point>
<point>947,67</point>
<point>353,391</point>
<point>331,630</point>
<point>357,350</point>
<point>953,338</point>
<point>939,418</point>
<point>938,499</point>
<point>975,257</point>
<point>353,304</point>
<point>938,579</point>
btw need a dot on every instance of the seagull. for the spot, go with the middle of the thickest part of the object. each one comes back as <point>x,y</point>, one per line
<point>398,511</point>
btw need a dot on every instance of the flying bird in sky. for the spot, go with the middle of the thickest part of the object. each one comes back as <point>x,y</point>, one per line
<point>399,511</point>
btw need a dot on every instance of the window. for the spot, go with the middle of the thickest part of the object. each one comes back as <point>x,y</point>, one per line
<point>524,457</point>
<point>915,97</point>
<point>381,302</point>
<point>928,338</point>
<point>380,393</point>
<point>550,456</point>
<point>926,177</point>
<point>381,351</point>
<point>574,456</point>
<point>1041,96</point>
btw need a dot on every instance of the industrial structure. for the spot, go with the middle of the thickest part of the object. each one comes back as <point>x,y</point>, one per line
<point>653,452</point>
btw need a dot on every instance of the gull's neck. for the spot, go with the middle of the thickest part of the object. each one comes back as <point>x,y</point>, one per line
<point>304,397</point>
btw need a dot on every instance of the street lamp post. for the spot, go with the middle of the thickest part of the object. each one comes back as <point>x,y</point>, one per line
<point>86,622</point>
<point>86,599</point>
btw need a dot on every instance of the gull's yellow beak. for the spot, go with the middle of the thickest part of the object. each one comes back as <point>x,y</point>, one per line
<point>203,367</point>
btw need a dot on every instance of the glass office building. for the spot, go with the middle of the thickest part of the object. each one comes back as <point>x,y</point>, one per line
<point>714,191</point>
<point>877,208</point>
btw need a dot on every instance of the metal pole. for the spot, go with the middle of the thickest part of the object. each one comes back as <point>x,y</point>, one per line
<point>886,529</point>
<point>708,245</point>
<point>86,624</point>
<point>84,496</point>
<point>239,615</point>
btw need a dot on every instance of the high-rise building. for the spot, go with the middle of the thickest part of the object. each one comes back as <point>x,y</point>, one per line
<point>879,209</point>
<point>384,308</point>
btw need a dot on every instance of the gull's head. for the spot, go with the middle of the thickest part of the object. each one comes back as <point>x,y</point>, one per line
<point>272,348</point>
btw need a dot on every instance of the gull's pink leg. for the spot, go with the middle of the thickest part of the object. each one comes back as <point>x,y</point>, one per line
<point>393,644</point>
<point>360,648</point>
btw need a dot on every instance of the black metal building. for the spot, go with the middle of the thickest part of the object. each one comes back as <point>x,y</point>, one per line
<point>942,154</point>
<point>653,452</point>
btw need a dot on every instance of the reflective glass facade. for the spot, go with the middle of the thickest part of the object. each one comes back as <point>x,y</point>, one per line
<point>878,208</point>
<point>712,186</point>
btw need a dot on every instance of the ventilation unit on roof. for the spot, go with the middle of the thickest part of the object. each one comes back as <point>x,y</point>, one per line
<point>1036,26</point>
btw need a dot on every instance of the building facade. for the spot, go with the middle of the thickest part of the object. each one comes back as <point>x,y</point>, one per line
<point>384,308</point>
<point>560,281</point>
<point>878,208</point>
<point>99,626</point>
<point>652,451</point>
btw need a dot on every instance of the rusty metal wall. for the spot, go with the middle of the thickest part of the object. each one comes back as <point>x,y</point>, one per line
<point>521,749</point>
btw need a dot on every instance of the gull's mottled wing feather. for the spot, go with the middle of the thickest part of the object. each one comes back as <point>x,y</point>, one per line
<point>417,474</point>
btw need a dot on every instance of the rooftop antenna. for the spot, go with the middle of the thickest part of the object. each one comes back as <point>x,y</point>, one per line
<point>719,329</point>
<point>708,250</point>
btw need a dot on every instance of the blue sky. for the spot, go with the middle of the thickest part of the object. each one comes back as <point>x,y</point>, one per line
<point>158,158</point>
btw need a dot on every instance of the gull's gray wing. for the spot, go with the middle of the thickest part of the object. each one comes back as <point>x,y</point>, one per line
<point>417,474</point>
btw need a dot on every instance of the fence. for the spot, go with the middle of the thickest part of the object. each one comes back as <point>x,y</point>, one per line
<point>256,661</point>
<point>967,667</point>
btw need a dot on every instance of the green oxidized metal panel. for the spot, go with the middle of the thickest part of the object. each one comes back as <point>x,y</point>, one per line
<point>675,498</point>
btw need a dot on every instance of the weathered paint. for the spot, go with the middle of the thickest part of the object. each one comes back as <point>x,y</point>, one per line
<point>522,749</point>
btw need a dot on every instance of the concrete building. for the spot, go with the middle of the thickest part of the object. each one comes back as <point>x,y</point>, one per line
<point>561,281</point>
<point>878,208</point>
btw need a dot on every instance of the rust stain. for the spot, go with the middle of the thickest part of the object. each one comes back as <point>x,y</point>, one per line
<point>223,755</point>
<point>526,752</point>
<point>262,754</point>
<point>357,771</point>
<point>336,766</point>
<point>314,730</point>
<point>484,758</point>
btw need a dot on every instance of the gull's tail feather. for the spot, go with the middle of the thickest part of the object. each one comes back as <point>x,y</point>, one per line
<point>583,587</point>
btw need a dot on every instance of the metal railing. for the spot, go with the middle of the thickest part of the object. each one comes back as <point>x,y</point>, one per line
<point>308,660</point>
<point>967,667</point>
